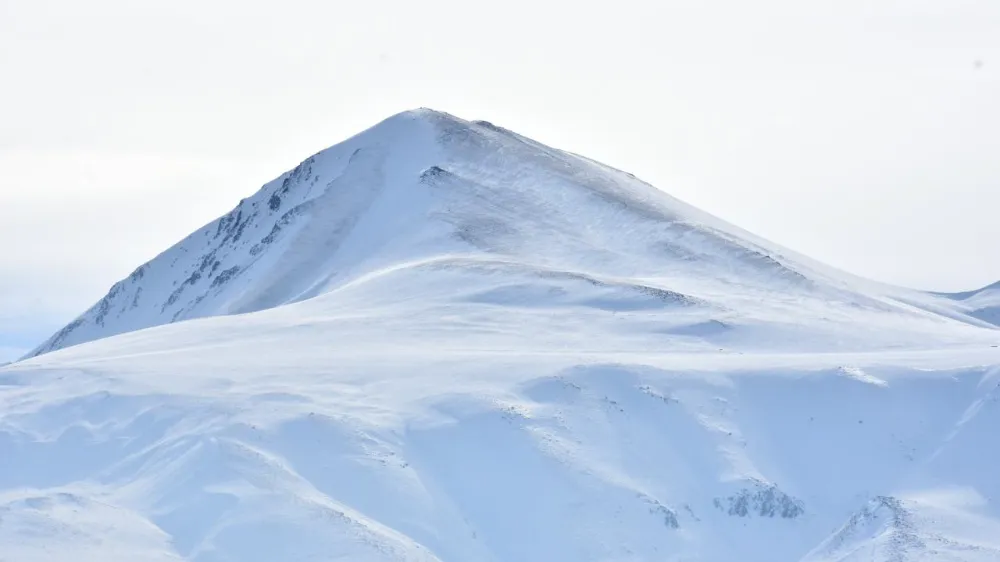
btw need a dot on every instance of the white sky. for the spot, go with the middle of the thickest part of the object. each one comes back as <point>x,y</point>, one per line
<point>864,133</point>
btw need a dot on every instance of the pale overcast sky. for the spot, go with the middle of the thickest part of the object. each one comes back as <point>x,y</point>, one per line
<point>864,133</point>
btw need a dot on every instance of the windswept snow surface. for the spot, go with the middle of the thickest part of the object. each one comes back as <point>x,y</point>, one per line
<point>983,304</point>
<point>441,341</point>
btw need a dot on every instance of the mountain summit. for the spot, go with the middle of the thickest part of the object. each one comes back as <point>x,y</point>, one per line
<point>424,188</point>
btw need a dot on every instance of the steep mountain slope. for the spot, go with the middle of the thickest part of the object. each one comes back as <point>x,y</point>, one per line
<point>424,185</point>
<point>440,341</point>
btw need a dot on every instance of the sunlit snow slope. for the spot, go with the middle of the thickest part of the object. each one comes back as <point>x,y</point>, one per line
<point>460,345</point>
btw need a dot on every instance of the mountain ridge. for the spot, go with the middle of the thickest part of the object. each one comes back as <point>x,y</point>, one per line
<point>983,303</point>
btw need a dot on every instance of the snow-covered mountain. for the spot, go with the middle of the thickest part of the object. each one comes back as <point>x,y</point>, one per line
<point>443,341</point>
<point>983,304</point>
<point>424,189</point>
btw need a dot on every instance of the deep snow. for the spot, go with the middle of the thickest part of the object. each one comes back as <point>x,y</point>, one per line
<point>442,341</point>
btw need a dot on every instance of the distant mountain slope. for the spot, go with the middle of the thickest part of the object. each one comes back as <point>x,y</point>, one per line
<point>424,184</point>
<point>983,304</point>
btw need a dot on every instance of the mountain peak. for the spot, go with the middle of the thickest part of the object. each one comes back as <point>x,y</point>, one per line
<point>399,125</point>
<point>425,113</point>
